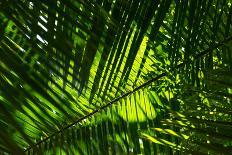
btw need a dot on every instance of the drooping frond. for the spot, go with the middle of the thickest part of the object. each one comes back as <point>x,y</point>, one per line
<point>102,70</point>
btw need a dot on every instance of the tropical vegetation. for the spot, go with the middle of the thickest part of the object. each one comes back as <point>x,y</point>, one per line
<point>115,77</point>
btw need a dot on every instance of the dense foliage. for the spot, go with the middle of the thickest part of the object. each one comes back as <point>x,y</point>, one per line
<point>115,77</point>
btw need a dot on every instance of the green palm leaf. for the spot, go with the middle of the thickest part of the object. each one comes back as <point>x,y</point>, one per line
<point>85,77</point>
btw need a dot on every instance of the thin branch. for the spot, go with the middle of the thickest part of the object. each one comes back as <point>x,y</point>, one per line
<point>213,47</point>
<point>129,93</point>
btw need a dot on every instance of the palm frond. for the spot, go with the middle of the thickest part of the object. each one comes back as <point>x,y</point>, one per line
<point>67,65</point>
<point>203,123</point>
